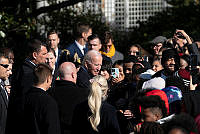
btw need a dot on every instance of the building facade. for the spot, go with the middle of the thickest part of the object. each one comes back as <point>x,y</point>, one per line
<point>120,14</point>
<point>124,14</point>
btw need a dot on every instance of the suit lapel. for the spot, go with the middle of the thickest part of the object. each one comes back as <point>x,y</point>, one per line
<point>78,51</point>
<point>3,94</point>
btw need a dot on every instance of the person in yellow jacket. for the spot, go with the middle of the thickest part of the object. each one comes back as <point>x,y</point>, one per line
<point>108,48</point>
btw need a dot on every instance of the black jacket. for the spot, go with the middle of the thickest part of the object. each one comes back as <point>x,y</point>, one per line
<point>67,95</point>
<point>3,109</point>
<point>40,113</point>
<point>83,78</point>
<point>23,78</point>
<point>193,49</point>
<point>108,120</point>
<point>192,102</point>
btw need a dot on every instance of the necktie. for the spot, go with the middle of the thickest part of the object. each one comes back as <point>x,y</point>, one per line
<point>4,92</point>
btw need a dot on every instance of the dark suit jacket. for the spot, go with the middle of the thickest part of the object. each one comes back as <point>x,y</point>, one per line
<point>67,95</point>
<point>40,113</point>
<point>74,49</point>
<point>21,83</point>
<point>108,120</point>
<point>83,78</point>
<point>58,59</point>
<point>23,78</point>
<point>3,110</point>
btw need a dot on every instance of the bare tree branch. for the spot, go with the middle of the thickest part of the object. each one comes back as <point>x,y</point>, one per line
<point>54,7</point>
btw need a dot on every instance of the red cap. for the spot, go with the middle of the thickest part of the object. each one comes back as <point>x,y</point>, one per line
<point>162,95</point>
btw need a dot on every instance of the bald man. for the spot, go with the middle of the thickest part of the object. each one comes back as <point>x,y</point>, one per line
<point>91,67</point>
<point>67,94</point>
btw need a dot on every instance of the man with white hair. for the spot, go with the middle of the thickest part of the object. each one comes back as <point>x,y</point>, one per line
<point>67,94</point>
<point>91,67</point>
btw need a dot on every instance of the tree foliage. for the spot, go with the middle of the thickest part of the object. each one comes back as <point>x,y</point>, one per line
<point>165,23</point>
<point>65,20</point>
<point>19,22</point>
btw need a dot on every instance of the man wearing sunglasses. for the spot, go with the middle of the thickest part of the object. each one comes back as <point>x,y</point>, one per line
<point>3,93</point>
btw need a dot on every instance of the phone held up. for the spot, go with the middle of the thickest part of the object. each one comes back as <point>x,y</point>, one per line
<point>115,72</point>
<point>194,67</point>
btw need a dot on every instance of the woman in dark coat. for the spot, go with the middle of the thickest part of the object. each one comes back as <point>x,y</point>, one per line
<point>95,116</point>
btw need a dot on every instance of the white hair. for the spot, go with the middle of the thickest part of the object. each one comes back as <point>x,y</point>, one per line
<point>89,55</point>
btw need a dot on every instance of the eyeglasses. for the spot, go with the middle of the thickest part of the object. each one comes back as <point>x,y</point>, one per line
<point>4,65</point>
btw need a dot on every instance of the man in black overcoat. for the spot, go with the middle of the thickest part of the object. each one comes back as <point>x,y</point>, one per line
<point>67,94</point>
<point>40,109</point>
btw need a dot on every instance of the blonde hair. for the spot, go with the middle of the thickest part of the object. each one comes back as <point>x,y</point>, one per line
<point>97,94</point>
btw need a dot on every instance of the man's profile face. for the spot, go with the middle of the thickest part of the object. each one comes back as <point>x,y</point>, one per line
<point>94,66</point>
<point>94,44</point>
<point>4,68</point>
<point>41,55</point>
<point>86,35</point>
<point>53,41</point>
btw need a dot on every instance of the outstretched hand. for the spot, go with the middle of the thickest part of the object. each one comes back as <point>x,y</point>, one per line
<point>192,87</point>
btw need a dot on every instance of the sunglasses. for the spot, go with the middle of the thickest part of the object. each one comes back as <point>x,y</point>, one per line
<point>4,65</point>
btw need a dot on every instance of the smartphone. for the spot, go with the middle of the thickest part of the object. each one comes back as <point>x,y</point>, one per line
<point>193,60</point>
<point>137,53</point>
<point>194,71</point>
<point>115,72</point>
<point>180,35</point>
<point>146,58</point>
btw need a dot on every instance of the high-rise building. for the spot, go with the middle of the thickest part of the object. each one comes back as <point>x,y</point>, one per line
<point>124,14</point>
<point>121,14</point>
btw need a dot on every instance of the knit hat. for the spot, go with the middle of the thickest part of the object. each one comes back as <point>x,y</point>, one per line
<point>170,53</point>
<point>158,39</point>
<point>173,93</point>
<point>155,83</point>
<point>162,95</point>
<point>147,75</point>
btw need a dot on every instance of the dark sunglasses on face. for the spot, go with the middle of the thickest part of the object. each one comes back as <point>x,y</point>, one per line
<point>4,65</point>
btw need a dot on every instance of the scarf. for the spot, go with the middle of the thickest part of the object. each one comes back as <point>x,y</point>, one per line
<point>111,53</point>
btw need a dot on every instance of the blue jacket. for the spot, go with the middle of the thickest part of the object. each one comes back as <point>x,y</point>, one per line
<point>75,53</point>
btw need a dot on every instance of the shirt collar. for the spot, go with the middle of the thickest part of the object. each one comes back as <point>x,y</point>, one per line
<point>56,51</point>
<point>28,60</point>
<point>1,82</point>
<point>79,45</point>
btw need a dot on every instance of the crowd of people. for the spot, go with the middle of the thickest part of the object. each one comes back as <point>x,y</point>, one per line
<point>91,88</point>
